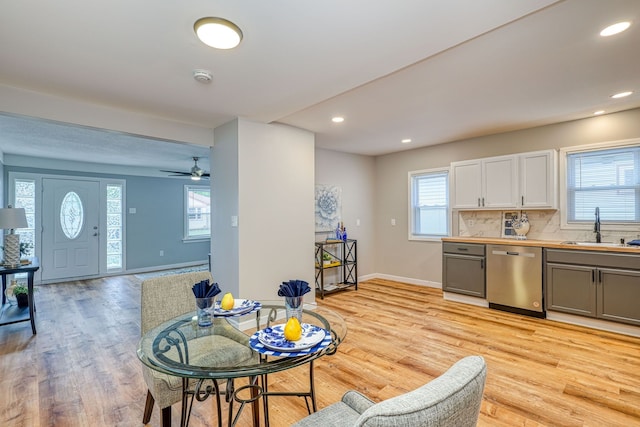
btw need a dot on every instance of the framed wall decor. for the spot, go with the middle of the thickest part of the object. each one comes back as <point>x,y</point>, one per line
<point>328,207</point>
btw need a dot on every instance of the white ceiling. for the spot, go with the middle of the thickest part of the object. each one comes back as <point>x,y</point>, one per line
<point>431,70</point>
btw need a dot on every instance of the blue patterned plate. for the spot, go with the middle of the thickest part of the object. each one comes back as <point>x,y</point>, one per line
<point>240,306</point>
<point>273,338</point>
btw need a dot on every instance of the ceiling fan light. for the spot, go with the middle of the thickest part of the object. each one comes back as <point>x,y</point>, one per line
<point>218,33</point>
<point>195,178</point>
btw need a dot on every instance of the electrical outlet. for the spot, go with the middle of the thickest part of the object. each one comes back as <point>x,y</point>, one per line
<point>471,223</point>
<point>161,253</point>
<point>393,221</point>
<point>358,222</point>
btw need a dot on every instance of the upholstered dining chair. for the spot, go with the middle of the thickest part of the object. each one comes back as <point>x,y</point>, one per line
<point>166,297</point>
<point>451,400</point>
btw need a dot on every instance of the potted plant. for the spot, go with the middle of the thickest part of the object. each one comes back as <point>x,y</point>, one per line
<point>326,258</point>
<point>21,292</point>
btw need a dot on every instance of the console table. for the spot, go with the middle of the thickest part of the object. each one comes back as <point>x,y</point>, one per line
<point>13,314</point>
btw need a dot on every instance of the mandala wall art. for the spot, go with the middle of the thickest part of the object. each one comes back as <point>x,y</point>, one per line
<point>328,207</point>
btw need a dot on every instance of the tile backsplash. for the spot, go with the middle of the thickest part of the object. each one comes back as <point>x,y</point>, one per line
<point>545,225</point>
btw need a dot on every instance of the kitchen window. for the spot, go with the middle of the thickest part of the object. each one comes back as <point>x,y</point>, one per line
<point>604,177</point>
<point>429,204</point>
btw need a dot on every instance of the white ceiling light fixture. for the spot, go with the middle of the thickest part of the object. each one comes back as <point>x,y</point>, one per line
<point>615,28</point>
<point>406,140</point>
<point>218,33</point>
<point>598,113</point>
<point>337,119</point>
<point>621,94</point>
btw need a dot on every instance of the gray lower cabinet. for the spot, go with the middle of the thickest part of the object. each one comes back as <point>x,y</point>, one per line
<point>570,289</point>
<point>600,285</point>
<point>618,295</point>
<point>463,269</point>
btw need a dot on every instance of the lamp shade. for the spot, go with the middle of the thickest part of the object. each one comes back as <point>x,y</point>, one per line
<point>11,218</point>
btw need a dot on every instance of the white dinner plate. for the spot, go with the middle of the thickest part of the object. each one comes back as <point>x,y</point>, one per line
<point>240,306</point>
<point>273,338</point>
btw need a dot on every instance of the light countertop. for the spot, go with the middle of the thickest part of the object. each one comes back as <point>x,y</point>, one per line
<point>557,244</point>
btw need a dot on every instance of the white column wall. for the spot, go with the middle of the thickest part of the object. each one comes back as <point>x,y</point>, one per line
<point>224,198</point>
<point>274,169</point>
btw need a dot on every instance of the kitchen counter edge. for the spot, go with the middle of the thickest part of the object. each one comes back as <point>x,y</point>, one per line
<point>541,243</point>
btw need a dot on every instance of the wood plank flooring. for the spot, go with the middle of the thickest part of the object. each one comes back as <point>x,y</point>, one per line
<point>81,368</point>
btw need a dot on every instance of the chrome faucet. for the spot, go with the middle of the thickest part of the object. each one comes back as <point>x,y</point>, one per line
<point>596,227</point>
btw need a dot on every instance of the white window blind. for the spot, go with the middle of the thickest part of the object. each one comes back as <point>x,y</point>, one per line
<point>608,179</point>
<point>429,204</point>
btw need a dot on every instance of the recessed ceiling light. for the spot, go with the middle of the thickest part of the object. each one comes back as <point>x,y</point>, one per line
<point>621,94</point>
<point>218,33</point>
<point>337,119</point>
<point>615,28</point>
<point>406,140</point>
<point>599,112</point>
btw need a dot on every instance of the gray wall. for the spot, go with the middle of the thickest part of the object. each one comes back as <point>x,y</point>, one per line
<point>356,176</point>
<point>156,225</point>
<point>395,254</point>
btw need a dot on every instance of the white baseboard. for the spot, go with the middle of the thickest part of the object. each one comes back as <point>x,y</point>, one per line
<point>163,267</point>
<point>604,325</point>
<point>466,299</point>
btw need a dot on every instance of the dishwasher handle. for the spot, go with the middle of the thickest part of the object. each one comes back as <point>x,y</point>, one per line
<point>514,253</point>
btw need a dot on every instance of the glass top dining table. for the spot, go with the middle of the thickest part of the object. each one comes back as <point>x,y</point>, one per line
<point>179,347</point>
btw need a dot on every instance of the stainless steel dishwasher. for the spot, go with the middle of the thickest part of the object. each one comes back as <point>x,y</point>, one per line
<point>514,279</point>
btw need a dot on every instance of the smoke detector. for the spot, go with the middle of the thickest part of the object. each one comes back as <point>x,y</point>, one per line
<point>203,76</point>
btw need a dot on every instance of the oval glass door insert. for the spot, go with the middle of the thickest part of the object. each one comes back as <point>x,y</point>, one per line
<point>71,215</point>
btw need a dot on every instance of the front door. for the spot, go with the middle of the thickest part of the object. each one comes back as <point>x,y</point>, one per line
<point>70,228</point>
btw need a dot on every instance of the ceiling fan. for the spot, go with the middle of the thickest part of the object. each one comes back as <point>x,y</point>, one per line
<point>196,173</point>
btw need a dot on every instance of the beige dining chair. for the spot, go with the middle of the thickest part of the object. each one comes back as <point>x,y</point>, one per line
<point>166,297</point>
<point>451,400</point>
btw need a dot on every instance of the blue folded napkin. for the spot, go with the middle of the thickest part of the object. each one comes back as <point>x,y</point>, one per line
<point>205,290</point>
<point>293,288</point>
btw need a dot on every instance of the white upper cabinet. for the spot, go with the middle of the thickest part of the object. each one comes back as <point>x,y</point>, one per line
<point>527,180</point>
<point>539,179</point>
<point>489,183</point>
<point>467,184</point>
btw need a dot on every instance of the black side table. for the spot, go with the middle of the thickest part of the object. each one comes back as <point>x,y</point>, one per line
<point>13,314</point>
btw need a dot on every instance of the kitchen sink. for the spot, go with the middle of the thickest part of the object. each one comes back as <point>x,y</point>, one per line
<point>605,244</point>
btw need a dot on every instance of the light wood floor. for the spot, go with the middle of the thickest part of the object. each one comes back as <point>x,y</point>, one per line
<point>81,369</point>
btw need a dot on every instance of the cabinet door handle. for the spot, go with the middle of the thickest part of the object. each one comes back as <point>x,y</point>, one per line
<point>482,264</point>
<point>479,202</point>
<point>599,276</point>
<point>522,203</point>
<point>593,276</point>
<point>483,202</point>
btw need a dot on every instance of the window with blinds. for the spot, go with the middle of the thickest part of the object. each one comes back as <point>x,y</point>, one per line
<point>608,179</point>
<point>429,204</point>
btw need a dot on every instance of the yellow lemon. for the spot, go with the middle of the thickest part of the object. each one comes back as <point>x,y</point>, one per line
<point>227,301</point>
<point>292,330</point>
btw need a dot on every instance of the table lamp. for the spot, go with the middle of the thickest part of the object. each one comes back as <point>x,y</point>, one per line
<point>10,219</point>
